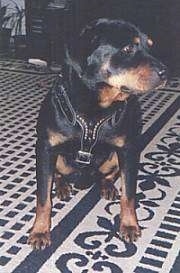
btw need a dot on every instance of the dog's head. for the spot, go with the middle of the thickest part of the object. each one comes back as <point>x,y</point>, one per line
<point>112,58</point>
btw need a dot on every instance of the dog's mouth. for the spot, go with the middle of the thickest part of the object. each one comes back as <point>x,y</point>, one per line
<point>102,85</point>
<point>121,89</point>
<point>108,94</point>
<point>126,90</point>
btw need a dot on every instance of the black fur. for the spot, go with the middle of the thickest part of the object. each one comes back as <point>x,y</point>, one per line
<point>110,55</point>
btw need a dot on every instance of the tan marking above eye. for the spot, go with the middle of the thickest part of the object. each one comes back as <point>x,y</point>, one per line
<point>150,42</point>
<point>56,138</point>
<point>136,40</point>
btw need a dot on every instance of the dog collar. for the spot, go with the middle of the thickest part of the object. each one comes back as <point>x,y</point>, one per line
<point>90,129</point>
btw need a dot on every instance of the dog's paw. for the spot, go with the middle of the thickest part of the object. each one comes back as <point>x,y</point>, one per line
<point>130,233</point>
<point>39,241</point>
<point>63,190</point>
<point>108,191</point>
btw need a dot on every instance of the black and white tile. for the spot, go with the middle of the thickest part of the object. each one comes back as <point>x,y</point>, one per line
<point>85,227</point>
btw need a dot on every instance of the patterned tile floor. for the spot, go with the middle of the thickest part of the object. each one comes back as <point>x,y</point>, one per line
<point>84,229</point>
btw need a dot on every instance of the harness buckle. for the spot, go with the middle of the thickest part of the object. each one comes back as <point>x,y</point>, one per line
<point>84,157</point>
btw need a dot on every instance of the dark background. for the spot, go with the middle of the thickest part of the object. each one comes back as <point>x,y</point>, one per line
<point>160,19</point>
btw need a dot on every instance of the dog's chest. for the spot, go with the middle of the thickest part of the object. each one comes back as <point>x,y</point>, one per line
<point>88,139</point>
<point>89,132</point>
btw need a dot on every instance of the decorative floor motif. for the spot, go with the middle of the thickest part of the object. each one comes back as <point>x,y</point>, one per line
<point>84,230</point>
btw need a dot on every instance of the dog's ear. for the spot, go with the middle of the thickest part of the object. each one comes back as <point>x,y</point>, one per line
<point>87,40</point>
<point>93,31</point>
<point>89,32</point>
<point>80,42</point>
<point>91,36</point>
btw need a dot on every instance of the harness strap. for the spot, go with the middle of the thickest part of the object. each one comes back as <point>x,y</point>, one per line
<point>89,138</point>
<point>90,129</point>
<point>65,105</point>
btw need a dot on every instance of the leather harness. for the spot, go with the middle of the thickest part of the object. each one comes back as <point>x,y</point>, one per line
<point>90,129</point>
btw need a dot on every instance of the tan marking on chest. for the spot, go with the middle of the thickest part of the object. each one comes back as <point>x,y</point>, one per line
<point>118,141</point>
<point>62,167</point>
<point>56,138</point>
<point>109,164</point>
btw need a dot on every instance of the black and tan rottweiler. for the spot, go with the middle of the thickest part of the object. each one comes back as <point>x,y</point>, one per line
<point>90,121</point>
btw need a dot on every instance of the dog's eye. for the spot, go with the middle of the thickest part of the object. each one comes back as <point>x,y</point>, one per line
<point>128,49</point>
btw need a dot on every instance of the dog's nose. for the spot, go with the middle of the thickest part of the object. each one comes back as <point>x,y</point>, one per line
<point>163,73</point>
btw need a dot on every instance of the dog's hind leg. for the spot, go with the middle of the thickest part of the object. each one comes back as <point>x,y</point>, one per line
<point>109,171</point>
<point>63,188</point>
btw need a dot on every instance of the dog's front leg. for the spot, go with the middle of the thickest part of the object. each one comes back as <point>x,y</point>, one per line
<point>40,234</point>
<point>128,160</point>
